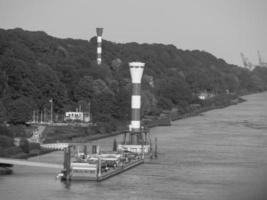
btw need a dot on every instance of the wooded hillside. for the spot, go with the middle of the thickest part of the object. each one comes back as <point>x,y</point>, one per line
<point>35,67</point>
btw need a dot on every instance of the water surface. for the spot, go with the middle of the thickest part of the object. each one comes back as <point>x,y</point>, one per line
<point>221,154</point>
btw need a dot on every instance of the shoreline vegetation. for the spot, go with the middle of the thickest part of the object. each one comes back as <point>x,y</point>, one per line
<point>164,119</point>
<point>58,134</point>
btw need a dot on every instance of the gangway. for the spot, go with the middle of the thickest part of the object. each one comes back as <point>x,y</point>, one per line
<point>29,163</point>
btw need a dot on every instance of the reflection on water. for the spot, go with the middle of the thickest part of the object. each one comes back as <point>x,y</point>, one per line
<point>218,155</point>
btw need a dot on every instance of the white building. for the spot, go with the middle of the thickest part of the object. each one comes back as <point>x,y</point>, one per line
<point>205,95</point>
<point>80,116</point>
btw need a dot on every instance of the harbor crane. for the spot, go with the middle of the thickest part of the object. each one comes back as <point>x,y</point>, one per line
<point>261,62</point>
<point>247,64</point>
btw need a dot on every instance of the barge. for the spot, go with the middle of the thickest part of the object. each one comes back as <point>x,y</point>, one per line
<point>98,166</point>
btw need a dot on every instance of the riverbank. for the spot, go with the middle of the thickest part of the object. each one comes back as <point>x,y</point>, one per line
<point>205,109</point>
<point>164,119</point>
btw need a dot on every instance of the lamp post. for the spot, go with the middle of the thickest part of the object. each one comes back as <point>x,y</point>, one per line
<point>51,112</point>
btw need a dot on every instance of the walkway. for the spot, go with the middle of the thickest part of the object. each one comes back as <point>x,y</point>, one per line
<point>37,134</point>
<point>29,163</point>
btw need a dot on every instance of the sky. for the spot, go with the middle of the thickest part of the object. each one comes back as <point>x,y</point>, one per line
<point>224,28</point>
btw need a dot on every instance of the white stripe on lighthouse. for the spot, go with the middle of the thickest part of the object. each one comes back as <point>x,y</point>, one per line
<point>99,50</point>
<point>135,124</point>
<point>99,39</point>
<point>136,101</point>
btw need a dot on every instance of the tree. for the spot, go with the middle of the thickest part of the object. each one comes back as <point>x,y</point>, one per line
<point>19,110</point>
<point>84,89</point>
<point>173,90</point>
<point>5,131</point>
<point>3,83</point>
<point>2,112</point>
<point>6,141</point>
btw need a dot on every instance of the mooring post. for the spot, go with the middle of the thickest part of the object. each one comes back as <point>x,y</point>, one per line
<point>94,149</point>
<point>114,144</point>
<point>124,138</point>
<point>143,152</point>
<point>99,163</point>
<point>65,159</point>
<point>156,148</point>
<point>131,138</point>
<point>99,166</point>
<point>150,148</point>
<point>85,150</point>
<point>67,155</point>
<point>145,137</point>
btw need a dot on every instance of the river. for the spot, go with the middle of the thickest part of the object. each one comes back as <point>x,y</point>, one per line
<point>220,154</point>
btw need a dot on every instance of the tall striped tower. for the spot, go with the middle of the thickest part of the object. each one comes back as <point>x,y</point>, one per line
<point>99,32</point>
<point>136,70</point>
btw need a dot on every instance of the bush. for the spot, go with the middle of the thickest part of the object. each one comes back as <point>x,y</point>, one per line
<point>13,151</point>
<point>5,131</point>
<point>21,155</point>
<point>34,146</point>
<point>19,131</point>
<point>24,145</point>
<point>19,110</point>
<point>6,141</point>
<point>35,152</point>
<point>2,153</point>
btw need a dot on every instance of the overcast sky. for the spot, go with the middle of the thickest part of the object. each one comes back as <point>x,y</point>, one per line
<point>222,27</point>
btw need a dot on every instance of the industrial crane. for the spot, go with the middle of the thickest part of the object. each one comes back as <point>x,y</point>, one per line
<point>247,64</point>
<point>261,62</point>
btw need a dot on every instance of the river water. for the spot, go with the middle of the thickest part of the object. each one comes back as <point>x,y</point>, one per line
<point>220,154</point>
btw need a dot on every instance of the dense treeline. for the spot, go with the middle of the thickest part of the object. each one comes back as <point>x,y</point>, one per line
<point>35,67</point>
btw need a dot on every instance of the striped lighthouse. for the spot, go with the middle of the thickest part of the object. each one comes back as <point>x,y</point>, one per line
<point>99,32</point>
<point>136,70</point>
